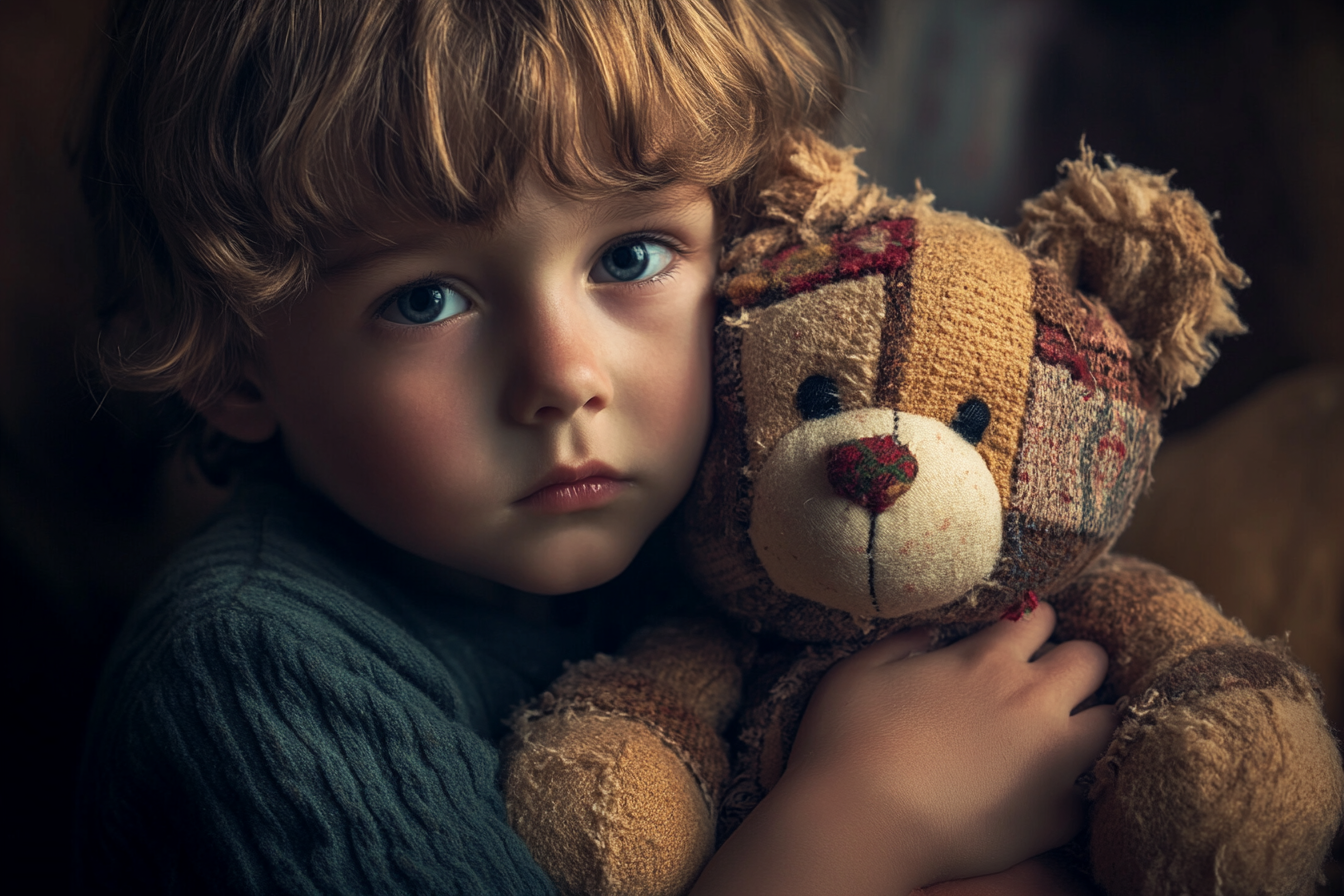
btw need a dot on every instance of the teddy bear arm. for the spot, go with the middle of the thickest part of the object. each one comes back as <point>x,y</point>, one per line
<point>1145,617</point>
<point>613,776</point>
<point>696,659</point>
<point>1223,775</point>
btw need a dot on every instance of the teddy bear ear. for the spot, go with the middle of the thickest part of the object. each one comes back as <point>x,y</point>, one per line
<point>1150,254</point>
<point>816,188</point>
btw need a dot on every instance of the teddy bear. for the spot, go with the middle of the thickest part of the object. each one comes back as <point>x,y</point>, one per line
<point>924,419</point>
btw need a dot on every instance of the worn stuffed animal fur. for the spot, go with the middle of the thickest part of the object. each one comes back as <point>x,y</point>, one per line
<point>924,419</point>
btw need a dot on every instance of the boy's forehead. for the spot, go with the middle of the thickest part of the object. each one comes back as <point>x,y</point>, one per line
<point>387,229</point>
<point>677,203</point>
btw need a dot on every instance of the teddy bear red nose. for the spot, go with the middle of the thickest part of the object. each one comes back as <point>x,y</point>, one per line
<point>872,472</point>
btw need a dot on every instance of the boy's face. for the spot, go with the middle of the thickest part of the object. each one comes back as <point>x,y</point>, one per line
<point>524,403</point>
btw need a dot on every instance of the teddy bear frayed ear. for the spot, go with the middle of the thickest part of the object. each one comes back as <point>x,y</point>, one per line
<point>1150,254</point>
<point>817,189</point>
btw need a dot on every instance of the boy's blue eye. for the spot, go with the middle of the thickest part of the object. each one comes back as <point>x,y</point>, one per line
<point>635,260</point>
<point>424,303</point>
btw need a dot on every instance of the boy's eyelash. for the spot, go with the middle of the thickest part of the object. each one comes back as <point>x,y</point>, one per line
<point>428,280</point>
<point>650,236</point>
<point>679,249</point>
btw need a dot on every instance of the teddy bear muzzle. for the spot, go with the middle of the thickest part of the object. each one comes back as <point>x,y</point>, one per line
<point>876,512</point>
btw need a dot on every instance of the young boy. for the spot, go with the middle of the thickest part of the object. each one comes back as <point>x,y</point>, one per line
<point>448,265</point>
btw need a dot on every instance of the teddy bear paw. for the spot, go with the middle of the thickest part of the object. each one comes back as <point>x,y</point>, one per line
<point>1223,777</point>
<point>607,807</point>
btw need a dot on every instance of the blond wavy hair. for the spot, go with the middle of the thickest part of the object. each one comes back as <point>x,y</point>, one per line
<point>229,139</point>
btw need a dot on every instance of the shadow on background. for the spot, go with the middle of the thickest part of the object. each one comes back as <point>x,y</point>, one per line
<point>92,494</point>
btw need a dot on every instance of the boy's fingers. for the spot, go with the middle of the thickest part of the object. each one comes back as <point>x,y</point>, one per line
<point>1085,740</point>
<point>1078,668</point>
<point>1021,638</point>
<point>903,644</point>
<point>1090,733</point>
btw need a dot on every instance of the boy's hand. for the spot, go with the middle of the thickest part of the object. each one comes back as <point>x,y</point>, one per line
<point>970,751</point>
<point>911,768</point>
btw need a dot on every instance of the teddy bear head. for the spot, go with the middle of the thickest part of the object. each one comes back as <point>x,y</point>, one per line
<point>921,417</point>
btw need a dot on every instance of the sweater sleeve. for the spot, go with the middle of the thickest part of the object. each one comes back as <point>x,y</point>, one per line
<point>248,754</point>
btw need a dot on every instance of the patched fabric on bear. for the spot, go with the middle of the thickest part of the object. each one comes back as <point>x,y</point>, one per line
<point>969,334</point>
<point>1084,454</point>
<point>882,247</point>
<point>833,331</point>
<point>1080,335</point>
<point>1088,441</point>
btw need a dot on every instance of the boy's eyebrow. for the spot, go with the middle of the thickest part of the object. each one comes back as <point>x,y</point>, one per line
<point>349,252</point>
<point>674,203</point>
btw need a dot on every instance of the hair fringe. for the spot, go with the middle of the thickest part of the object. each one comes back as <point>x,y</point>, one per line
<point>229,140</point>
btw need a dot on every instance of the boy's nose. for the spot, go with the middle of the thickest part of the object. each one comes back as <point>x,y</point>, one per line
<point>558,370</point>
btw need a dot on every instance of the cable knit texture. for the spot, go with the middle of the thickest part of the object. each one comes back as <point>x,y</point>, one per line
<point>277,718</point>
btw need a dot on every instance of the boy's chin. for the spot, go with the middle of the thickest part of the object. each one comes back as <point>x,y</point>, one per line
<point>567,581</point>
<point>563,570</point>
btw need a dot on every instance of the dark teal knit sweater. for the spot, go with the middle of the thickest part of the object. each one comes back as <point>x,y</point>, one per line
<point>282,716</point>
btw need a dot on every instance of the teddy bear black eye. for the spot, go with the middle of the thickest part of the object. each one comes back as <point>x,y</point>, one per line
<point>818,397</point>
<point>972,420</point>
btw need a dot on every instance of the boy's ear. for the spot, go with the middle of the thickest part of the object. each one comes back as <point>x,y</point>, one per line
<point>241,412</point>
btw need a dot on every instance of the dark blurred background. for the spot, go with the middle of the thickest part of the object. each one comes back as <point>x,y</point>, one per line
<point>979,99</point>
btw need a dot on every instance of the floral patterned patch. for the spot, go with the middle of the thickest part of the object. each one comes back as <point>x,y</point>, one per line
<point>882,247</point>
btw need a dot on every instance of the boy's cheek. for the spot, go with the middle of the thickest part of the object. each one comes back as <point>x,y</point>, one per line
<point>428,466</point>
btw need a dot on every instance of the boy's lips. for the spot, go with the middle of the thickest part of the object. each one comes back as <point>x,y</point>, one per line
<point>567,489</point>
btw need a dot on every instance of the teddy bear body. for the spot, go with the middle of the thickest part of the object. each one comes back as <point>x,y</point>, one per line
<point>1000,405</point>
<point>922,419</point>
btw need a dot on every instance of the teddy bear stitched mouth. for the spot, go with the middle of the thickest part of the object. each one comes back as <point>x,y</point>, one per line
<point>872,472</point>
